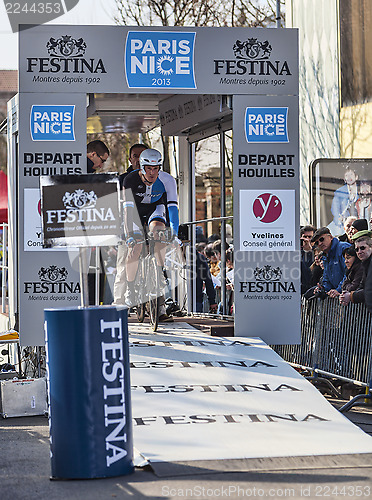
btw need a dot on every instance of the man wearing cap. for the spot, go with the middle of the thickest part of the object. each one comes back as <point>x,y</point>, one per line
<point>333,260</point>
<point>363,247</point>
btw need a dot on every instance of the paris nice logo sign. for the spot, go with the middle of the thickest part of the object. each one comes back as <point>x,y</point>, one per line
<point>160,59</point>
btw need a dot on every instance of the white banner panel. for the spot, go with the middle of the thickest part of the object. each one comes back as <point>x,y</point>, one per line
<point>267,220</point>
<point>204,398</point>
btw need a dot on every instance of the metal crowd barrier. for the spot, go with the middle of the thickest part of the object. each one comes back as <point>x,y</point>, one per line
<point>336,341</point>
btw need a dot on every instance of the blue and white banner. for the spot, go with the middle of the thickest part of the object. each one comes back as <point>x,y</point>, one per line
<point>52,122</point>
<point>266,125</point>
<point>160,59</point>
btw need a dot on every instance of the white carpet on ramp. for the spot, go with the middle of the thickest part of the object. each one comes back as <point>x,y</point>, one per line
<point>197,398</point>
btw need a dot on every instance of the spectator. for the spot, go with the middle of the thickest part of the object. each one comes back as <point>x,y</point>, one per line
<point>212,260</point>
<point>229,234</point>
<point>316,269</point>
<point>200,235</point>
<point>307,255</point>
<point>348,228</point>
<point>334,263</point>
<point>359,225</point>
<point>306,233</point>
<point>363,247</point>
<point>354,270</point>
<point>230,280</point>
<point>97,154</point>
<point>204,280</point>
<point>200,247</point>
<point>212,238</point>
<point>230,265</point>
<point>217,247</point>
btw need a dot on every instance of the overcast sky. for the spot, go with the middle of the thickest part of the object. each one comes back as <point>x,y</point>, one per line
<point>85,12</point>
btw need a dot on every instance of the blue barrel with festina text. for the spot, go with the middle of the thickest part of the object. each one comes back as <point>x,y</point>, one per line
<point>89,392</point>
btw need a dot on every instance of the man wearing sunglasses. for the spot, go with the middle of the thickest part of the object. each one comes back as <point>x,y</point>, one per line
<point>97,154</point>
<point>333,260</point>
<point>363,247</point>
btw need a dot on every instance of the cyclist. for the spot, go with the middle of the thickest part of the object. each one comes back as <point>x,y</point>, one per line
<point>153,193</point>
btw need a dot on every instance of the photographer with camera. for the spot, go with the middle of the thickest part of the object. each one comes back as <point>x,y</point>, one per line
<point>316,279</point>
<point>307,256</point>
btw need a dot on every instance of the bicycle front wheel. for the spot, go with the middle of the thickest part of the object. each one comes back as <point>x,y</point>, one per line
<point>153,280</point>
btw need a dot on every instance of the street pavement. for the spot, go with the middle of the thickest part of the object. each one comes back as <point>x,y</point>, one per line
<point>25,472</point>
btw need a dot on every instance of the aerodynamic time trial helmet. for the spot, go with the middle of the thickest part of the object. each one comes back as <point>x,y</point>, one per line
<point>150,157</point>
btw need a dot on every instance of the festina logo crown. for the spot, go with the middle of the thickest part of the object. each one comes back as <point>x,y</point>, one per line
<point>65,55</point>
<point>252,49</point>
<point>267,273</point>
<point>79,199</point>
<point>66,46</point>
<point>53,274</point>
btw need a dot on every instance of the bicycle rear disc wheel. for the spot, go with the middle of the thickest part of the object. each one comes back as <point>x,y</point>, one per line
<point>153,277</point>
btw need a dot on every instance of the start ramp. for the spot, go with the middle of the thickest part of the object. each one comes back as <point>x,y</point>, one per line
<point>204,400</point>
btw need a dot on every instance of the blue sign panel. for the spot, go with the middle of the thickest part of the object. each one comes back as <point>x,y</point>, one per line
<point>160,59</point>
<point>52,122</point>
<point>266,125</point>
<point>89,404</point>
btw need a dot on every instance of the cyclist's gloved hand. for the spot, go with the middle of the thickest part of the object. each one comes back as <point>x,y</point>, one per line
<point>130,241</point>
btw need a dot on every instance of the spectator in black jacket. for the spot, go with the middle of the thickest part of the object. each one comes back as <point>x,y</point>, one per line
<point>307,255</point>
<point>354,270</point>
<point>316,269</point>
<point>97,154</point>
<point>363,247</point>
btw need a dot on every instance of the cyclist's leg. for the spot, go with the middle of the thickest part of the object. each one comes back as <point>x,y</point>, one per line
<point>157,221</point>
<point>160,247</point>
<point>131,265</point>
<point>155,227</point>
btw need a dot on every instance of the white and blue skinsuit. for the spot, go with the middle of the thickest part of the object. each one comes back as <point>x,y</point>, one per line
<point>158,201</point>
